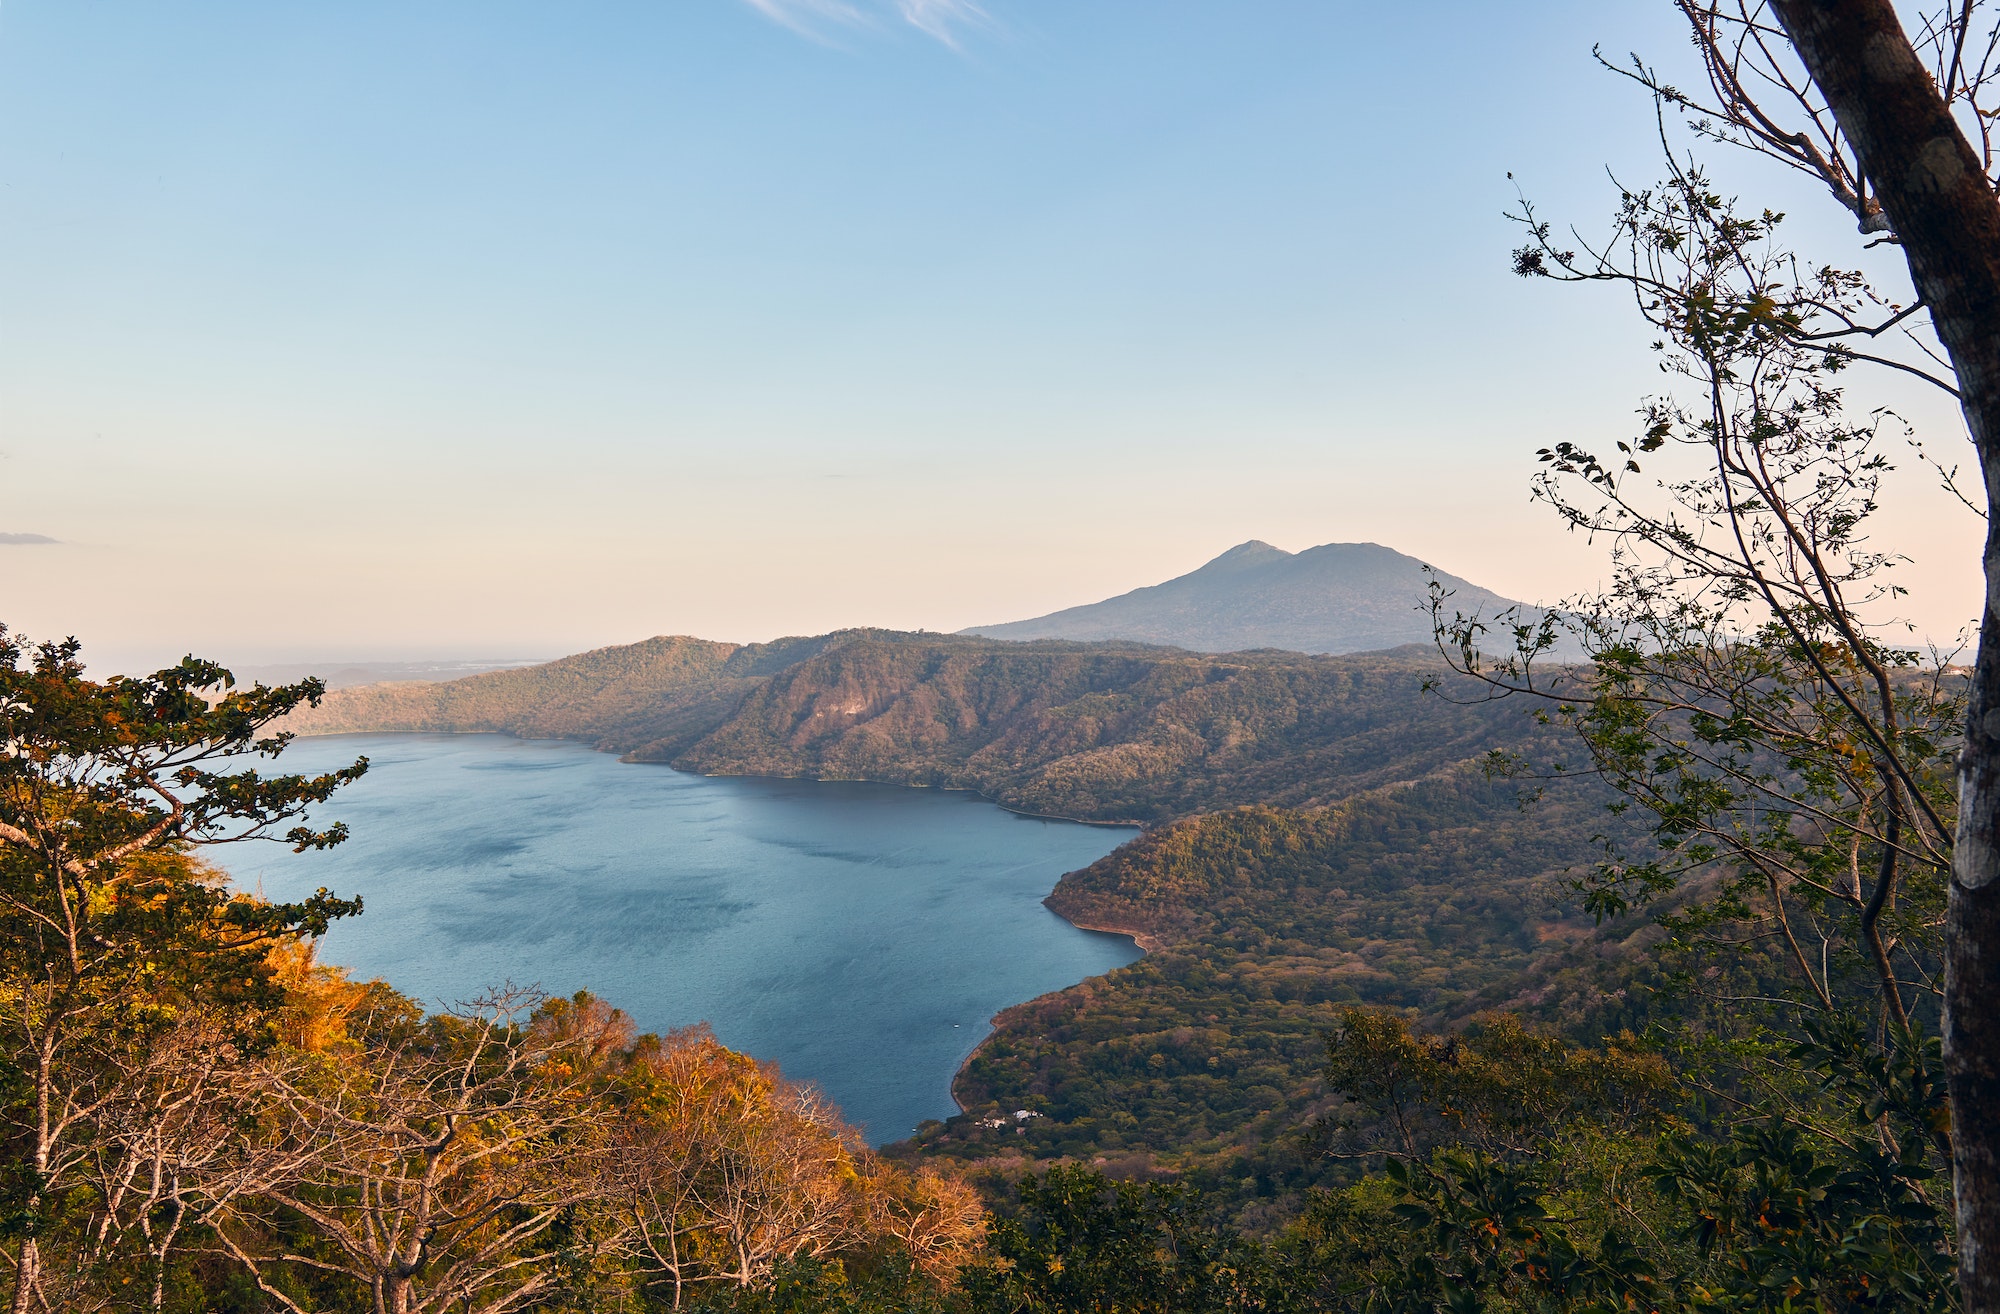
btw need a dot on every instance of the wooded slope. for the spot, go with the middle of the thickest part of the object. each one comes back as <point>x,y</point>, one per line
<point>1100,732</point>
<point>1321,832</point>
<point>1445,896</point>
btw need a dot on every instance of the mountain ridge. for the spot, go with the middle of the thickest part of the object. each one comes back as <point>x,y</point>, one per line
<point>1334,599</point>
<point>1101,731</point>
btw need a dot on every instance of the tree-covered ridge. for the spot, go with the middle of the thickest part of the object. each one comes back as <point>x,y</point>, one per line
<point>1452,849</point>
<point>1446,897</point>
<point>1102,732</point>
<point>608,696</point>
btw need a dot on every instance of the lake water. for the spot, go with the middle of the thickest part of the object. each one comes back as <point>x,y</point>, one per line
<point>860,935</point>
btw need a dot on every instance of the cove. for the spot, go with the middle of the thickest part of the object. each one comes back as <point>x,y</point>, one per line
<point>860,935</point>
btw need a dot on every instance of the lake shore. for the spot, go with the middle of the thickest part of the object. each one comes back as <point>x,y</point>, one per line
<point>1144,942</point>
<point>792,914</point>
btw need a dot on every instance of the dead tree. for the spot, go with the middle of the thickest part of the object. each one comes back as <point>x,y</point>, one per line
<point>429,1161</point>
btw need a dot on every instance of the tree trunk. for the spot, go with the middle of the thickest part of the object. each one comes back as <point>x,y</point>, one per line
<point>27,1276</point>
<point>1944,212</point>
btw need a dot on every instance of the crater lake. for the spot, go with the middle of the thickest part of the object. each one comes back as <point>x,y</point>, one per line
<point>860,935</point>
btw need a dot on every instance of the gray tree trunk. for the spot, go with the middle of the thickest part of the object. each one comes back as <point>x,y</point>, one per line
<point>1943,209</point>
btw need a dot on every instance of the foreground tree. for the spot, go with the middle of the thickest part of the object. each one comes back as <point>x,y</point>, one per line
<point>424,1164</point>
<point>163,1158</point>
<point>722,1173</point>
<point>109,932</point>
<point>1900,132</point>
<point>1743,688</point>
<point>1789,753</point>
<point>937,1221</point>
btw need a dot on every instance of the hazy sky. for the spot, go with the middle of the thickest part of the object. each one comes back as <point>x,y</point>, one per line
<point>505,328</point>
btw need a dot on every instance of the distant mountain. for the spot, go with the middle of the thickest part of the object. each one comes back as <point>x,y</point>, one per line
<point>1336,598</point>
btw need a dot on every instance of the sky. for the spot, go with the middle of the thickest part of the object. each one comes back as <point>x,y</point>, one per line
<point>509,328</point>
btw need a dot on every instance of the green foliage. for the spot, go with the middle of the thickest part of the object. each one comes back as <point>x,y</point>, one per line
<point>1080,1242</point>
<point>1497,1086</point>
<point>1794,1223</point>
<point>119,953</point>
<point>811,1286</point>
<point>1480,1230</point>
<point>1611,1202</point>
<point>1503,1154</point>
<point>1205,1057</point>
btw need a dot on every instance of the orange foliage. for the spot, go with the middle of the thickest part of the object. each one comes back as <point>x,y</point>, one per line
<point>727,1169</point>
<point>318,998</point>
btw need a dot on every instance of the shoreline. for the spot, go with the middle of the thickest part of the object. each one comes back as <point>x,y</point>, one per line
<point>1145,943</point>
<point>626,757</point>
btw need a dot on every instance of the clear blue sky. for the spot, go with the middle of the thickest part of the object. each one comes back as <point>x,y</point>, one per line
<point>349,329</point>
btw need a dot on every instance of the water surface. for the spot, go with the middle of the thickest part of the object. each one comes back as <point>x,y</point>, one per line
<point>861,935</point>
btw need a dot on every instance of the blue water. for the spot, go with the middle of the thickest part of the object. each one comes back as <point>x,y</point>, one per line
<point>860,935</point>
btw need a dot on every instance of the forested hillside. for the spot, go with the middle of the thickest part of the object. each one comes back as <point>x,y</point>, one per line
<point>1322,834</point>
<point>1447,897</point>
<point>611,697</point>
<point>1100,732</point>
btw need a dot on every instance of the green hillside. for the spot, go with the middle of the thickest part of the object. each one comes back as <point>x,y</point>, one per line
<point>1098,732</point>
<point>1102,732</point>
<point>1320,833</point>
<point>610,697</point>
<point>1445,897</point>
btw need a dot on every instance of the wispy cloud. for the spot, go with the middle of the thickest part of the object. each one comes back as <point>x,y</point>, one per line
<point>943,20</point>
<point>22,540</point>
<point>809,18</point>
